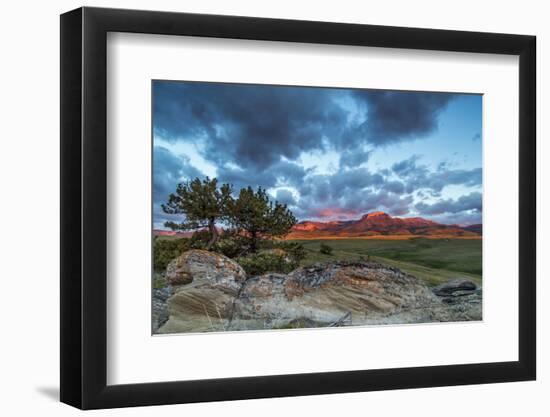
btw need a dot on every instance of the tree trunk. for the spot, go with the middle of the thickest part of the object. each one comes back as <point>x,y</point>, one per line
<point>253,242</point>
<point>214,232</point>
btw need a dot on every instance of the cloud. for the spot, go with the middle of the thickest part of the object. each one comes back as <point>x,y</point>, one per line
<point>396,187</point>
<point>285,196</point>
<point>355,205</point>
<point>395,116</point>
<point>354,179</point>
<point>168,171</point>
<point>256,125</point>
<point>348,193</point>
<point>282,173</point>
<point>257,135</point>
<point>354,158</point>
<point>250,125</point>
<point>419,176</point>
<point>471,202</point>
<point>462,218</point>
<point>406,167</point>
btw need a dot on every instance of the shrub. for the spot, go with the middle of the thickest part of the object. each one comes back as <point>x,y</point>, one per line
<point>229,244</point>
<point>264,262</point>
<point>325,249</point>
<point>294,250</point>
<point>200,239</point>
<point>159,281</point>
<point>232,245</point>
<point>164,250</point>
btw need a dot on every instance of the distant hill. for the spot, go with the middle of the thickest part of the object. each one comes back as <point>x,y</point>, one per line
<point>374,224</point>
<point>171,233</point>
<point>476,228</point>
<point>379,223</point>
<point>178,234</point>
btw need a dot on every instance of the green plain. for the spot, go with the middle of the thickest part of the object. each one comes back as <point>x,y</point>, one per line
<point>433,260</point>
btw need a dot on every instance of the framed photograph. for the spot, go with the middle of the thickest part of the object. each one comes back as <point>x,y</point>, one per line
<point>257,208</point>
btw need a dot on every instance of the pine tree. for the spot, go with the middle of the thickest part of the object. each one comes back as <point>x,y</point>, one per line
<point>259,218</point>
<point>202,203</point>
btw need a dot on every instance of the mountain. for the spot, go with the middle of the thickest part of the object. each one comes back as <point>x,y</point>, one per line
<point>157,232</point>
<point>379,223</point>
<point>476,228</point>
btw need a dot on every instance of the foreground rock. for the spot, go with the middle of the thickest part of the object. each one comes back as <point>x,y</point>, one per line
<point>325,294</point>
<point>205,285</point>
<point>205,267</point>
<point>160,307</point>
<point>455,286</point>
<point>217,296</point>
<point>463,299</point>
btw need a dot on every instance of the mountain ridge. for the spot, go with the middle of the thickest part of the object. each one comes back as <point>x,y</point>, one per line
<point>379,223</point>
<point>376,224</point>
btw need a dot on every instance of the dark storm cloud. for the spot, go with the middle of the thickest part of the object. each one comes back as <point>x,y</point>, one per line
<point>471,202</point>
<point>168,171</point>
<point>160,217</point>
<point>282,173</point>
<point>256,125</point>
<point>250,125</point>
<point>255,136</point>
<point>395,116</point>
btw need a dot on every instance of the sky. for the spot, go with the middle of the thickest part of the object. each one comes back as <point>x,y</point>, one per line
<point>328,153</point>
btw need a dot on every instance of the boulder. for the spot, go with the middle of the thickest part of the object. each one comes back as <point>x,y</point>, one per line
<point>159,307</point>
<point>456,286</point>
<point>463,300</point>
<point>201,266</point>
<point>205,285</point>
<point>217,296</point>
<point>333,294</point>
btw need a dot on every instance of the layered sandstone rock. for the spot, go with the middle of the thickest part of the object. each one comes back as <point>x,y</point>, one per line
<point>212,293</point>
<point>366,292</point>
<point>205,285</point>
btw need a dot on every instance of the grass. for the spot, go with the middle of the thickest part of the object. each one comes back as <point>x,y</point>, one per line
<point>159,281</point>
<point>433,260</point>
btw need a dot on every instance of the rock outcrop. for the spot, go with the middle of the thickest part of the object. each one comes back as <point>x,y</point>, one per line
<point>366,292</point>
<point>160,307</point>
<point>463,299</point>
<point>212,293</point>
<point>455,287</point>
<point>200,266</point>
<point>205,285</point>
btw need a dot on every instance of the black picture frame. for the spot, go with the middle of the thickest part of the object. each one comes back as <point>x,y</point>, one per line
<point>84,207</point>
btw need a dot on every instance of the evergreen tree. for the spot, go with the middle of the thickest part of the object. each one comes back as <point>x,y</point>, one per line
<point>259,218</point>
<point>202,203</point>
